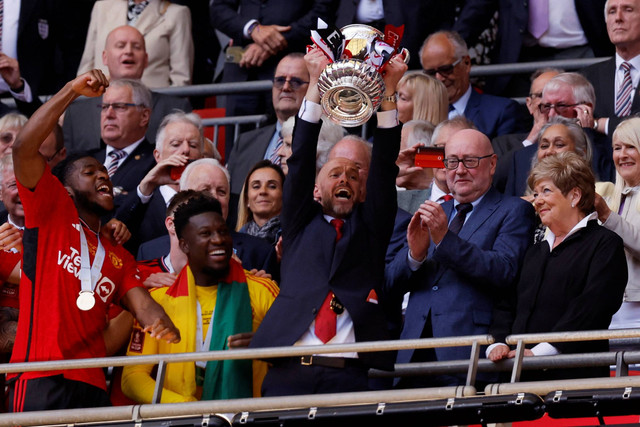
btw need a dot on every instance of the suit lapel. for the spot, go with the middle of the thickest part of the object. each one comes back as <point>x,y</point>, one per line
<point>480,214</point>
<point>151,16</point>
<point>608,102</point>
<point>473,105</point>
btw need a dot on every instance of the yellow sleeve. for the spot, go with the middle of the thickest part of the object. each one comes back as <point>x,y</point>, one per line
<point>137,383</point>
<point>262,293</point>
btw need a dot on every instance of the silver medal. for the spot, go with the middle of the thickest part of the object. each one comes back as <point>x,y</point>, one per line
<point>86,300</point>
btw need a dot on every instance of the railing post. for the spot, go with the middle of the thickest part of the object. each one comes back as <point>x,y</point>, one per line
<point>473,364</point>
<point>622,367</point>
<point>517,363</point>
<point>157,392</point>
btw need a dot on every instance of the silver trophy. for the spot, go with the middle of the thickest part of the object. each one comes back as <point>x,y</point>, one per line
<point>351,88</point>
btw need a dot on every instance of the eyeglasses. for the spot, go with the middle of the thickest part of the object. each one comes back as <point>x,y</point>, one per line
<point>294,82</point>
<point>562,109</point>
<point>7,137</point>
<point>468,162</point>
<point>118,107</point>
<point>53,156</point>
<point>445,70</point>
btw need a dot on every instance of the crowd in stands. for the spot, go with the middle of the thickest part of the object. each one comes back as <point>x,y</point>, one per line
<point>125,231</point>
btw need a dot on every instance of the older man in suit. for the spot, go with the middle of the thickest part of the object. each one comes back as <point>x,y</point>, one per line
<point>124,118</point>
<point>289,85</point>
<point>126,57</point>
<point>445,56</point>
<point>180,141</point>
<point>616,81</point>
<point>333,253</point>
<point>461,254</point>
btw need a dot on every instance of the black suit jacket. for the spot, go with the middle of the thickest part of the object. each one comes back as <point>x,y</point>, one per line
<point>253,251</point>
<point>131,170</point>
<point>144,221</point>
<point>603,76</point>
<point>576,287</point>
<point>505,146</point>
<point>81,124</point>
<point>314,264</point>
<point>512,28</point>
<point>248,150</point>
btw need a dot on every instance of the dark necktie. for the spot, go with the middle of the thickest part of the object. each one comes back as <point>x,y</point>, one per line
<point>457,221</point>
<point>116,156</point>
<point>326,318</point>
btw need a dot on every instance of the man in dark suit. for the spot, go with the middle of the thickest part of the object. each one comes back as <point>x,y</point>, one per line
<point>333,253</point>
<point>623,26</point>
<point>569,95</point>
<point>180,140</point>
<point>126,58</point>
<point>210,176</point>
<point>124,118</point>
<point>445,56</point>
<point>505,145</point>
<point>290,84</point>
<point>574,30</point>
<point>459,262</point>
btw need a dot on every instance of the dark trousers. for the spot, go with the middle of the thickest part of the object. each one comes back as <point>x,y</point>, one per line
<point>291,378</point>
<point>54,392</point>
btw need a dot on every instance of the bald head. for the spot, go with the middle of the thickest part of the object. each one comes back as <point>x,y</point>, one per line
<point>125,54</point>
<point>358,151</point>
<point>469,182</point>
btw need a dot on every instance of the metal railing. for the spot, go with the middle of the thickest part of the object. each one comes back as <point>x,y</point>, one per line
<point>140,412</point>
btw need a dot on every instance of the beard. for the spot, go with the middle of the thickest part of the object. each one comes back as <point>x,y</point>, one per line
<point>83,201</point>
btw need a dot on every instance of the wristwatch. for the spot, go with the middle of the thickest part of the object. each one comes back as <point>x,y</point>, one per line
<point>391,98</point>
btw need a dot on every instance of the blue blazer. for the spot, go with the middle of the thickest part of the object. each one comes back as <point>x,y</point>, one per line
<point>519,170</point>
<point>460,280</point>
<point>494,115</point>
<point>314,264</point>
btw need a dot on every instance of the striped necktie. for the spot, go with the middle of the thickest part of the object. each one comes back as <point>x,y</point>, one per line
<point>275,159</point>
<point>115,156</point>
<point>623,98</point>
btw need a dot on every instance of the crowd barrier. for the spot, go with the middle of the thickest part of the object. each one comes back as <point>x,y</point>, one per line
<point>443,405</point>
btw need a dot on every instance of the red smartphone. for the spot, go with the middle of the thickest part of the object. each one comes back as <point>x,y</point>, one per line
<point>176,172</point>
<point>430,157</point>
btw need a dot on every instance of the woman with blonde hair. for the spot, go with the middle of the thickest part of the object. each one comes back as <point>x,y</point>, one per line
<point>619,210</point>
<point>422,97</point>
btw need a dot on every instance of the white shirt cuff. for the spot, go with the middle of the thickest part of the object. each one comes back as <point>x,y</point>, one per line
<point>491,347</point>
<point>544,349</point>
<point>245,29</point>
<point>388,119</point>
<point>144,199</point>
<point>606,127</point>
<point>25,95</point>
<point>310,111</point>
<point>413,263</point>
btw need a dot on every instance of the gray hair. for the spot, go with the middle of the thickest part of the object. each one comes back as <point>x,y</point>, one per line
<point>206,161</point>
<point>580,138</point>
<point>140,94</point>
<point>6,165</point>
<point>12,120</point>
<point>420,131</point>
<point>459,45</point>
<point>179,116</point>
<point>583,92</point>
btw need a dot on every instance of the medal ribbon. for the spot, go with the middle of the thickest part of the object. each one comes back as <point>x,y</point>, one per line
<point>89,276</point>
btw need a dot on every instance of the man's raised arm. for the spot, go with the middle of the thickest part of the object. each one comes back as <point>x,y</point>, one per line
<point>28,163</point>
